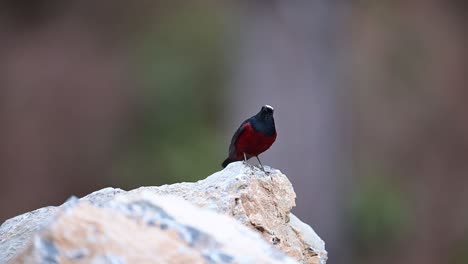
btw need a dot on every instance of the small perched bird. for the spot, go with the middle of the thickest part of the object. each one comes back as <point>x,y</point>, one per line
<point>253,137</point>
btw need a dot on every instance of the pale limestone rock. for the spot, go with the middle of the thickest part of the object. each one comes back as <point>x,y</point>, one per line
<point>127,221</point>
<point>262,202</point>
<point>310,238</point>
<point>146,228</point>
<point>17,231</point>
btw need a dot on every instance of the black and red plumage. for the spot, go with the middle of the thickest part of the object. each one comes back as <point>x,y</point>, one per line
<point>254,136</point>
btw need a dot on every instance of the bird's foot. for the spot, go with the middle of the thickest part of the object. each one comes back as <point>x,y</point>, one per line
<point>248,164</point>
<point>267,173</point>
<point>261,168</point>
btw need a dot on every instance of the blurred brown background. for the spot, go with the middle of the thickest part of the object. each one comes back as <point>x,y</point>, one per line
<point>370,100</point>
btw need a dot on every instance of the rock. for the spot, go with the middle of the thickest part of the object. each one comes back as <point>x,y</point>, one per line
<point>310,238</point>
<point>146,228</point>
<point>16,232</point>
<point>152,224</point>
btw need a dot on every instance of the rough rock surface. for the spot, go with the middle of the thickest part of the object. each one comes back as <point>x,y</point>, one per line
<point>149,224</point>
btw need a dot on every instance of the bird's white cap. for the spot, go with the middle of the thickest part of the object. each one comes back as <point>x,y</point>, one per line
<point>269,106</point>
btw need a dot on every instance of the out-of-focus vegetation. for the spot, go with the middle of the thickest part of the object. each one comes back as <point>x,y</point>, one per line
<point>181,66</point>
<point>379,214</point>
<point>410,119</point>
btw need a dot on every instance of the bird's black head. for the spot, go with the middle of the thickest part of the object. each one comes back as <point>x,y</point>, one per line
<point>266,112</point>
<point>264,121</point>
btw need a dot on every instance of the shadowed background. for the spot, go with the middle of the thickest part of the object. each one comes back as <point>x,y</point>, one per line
<point>370,100</point>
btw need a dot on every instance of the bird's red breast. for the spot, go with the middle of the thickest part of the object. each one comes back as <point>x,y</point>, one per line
<point>252,142</point>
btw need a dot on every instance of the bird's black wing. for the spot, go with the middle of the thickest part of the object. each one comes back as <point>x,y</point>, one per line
<point>239,131</point>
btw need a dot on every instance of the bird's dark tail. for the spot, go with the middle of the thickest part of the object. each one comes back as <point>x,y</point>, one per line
<point>226,162</point>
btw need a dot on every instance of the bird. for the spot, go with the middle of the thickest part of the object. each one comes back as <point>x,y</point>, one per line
<point>253,137</point>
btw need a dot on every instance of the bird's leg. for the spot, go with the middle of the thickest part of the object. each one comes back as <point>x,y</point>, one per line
<point>245,161</point>
<point>261,165</point>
